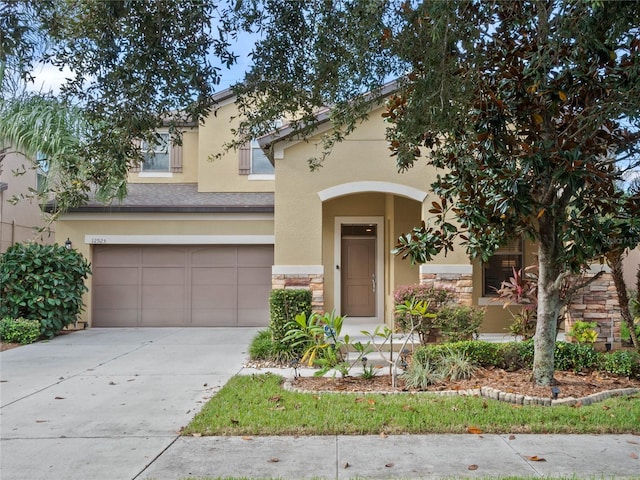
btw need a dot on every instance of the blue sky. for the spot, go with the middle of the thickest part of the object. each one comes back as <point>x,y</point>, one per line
<point>49,77</point>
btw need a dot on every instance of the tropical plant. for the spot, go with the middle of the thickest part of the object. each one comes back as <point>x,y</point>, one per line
<point>320,338</point>
<point>413,316</point>
<point>584,332</point>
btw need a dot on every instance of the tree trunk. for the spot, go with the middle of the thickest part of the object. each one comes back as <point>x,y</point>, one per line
<point>614,259</point>
<point>549,305</point>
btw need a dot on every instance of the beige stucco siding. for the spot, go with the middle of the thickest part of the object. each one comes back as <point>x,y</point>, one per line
<point>19,222</point>
<point>189,172</point>
<point>363,157</point>
<point>221,174</point>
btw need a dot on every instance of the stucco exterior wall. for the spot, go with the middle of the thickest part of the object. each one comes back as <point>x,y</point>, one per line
<point>189,172</point>
<point>221,174</point>
<point>363,156</point>
<point>17,222</point>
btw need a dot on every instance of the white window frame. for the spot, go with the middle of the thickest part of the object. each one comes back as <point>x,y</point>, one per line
<point>163,148</point>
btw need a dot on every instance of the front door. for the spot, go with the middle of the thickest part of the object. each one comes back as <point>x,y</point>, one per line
<point>358,267</point>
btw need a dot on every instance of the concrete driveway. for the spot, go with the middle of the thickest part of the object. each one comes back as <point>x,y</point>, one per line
<point>105,403</point>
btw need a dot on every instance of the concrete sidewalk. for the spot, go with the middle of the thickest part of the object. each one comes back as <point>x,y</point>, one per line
<point>402,457</point>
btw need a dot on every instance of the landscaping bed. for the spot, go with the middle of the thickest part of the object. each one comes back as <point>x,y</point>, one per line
<point>570,384</point>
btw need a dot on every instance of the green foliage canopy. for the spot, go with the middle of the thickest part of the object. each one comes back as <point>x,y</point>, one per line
<point>528,109</point>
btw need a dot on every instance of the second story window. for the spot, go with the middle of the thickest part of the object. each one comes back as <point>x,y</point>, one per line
<point>500,266</point>
<point>260,163</point>
<point>156,156</point>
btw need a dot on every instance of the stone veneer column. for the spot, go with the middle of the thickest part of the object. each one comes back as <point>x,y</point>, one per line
<point>457,278</point>
<point>597,302</point>
<point>303,277</point>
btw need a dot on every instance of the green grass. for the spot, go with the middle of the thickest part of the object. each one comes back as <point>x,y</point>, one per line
<point>257,405</point>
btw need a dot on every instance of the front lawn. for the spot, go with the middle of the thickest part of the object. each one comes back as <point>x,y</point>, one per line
<point>257,405</point>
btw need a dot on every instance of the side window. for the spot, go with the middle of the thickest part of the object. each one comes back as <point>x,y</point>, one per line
<point>156,156</point>
<point>253,161</point>
<point>42,169</point>
<point>500,267</point>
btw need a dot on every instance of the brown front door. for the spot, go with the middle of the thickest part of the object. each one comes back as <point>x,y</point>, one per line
<point>358,275</point>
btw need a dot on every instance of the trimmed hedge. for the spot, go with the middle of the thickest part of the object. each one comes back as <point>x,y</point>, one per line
<point>284,305</point>
<point>518,355</point>
<point>19,330</point>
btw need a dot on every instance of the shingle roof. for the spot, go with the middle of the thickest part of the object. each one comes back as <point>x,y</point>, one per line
<point>181,197</point>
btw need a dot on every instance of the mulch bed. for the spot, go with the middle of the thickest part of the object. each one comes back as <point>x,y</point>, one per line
<point>519,382</point>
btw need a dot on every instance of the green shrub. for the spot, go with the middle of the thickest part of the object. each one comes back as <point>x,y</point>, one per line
<point>516,355</point>
<point>459,322</point>
<point>43,282</point>
<point>433,298</point>
<point>621,362</point>
<point>584,332</point>
<point>625,334</point>
<point>576,356</point>
<point>19,330</point>
<point>263,347</point>
<point>478,352</point>
<point>284,305</point>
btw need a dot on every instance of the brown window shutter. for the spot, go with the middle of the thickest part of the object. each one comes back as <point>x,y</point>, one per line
<point>176,158</point>
<point>244,159</point>
<point>136,167</point>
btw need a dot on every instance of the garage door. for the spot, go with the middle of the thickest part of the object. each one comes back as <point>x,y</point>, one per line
<point>152,286</point>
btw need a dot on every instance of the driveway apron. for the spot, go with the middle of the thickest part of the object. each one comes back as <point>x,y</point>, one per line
<point>104,403</point>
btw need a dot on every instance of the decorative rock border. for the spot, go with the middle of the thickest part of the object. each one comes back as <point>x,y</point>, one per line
<point>495,394</point>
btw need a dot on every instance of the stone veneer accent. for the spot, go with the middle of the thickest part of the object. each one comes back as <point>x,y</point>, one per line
<point>460,283</point>
<point>313,282</point>
<point>597,302</point>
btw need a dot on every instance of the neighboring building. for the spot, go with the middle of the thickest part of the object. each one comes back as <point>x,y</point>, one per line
<point>202,242</point>
<point>20,222</point>
<point>631,265</point>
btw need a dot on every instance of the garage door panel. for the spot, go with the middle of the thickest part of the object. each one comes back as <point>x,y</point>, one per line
<point>115,276</point>
<point>219,317</point>
<point>254,276</point>
<point>222,255</point>
<point>162,317</point>
<point>116,317</point>
<point>214,297</point>
<point>253,296</point>
<point>114,256</point>
<point>214,276</point>
<point>115,296</point>
<point>162,256</point>
<point>163,276</point>
<point>182,285</point>
<point>165,296</point>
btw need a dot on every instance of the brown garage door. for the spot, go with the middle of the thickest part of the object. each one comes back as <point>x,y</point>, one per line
<point>151,286</point>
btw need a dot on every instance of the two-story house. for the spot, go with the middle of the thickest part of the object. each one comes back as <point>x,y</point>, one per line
<point>202,242</point>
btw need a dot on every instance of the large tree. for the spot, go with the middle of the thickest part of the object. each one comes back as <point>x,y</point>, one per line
<point>132,66</point>
<point>529,109</point>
